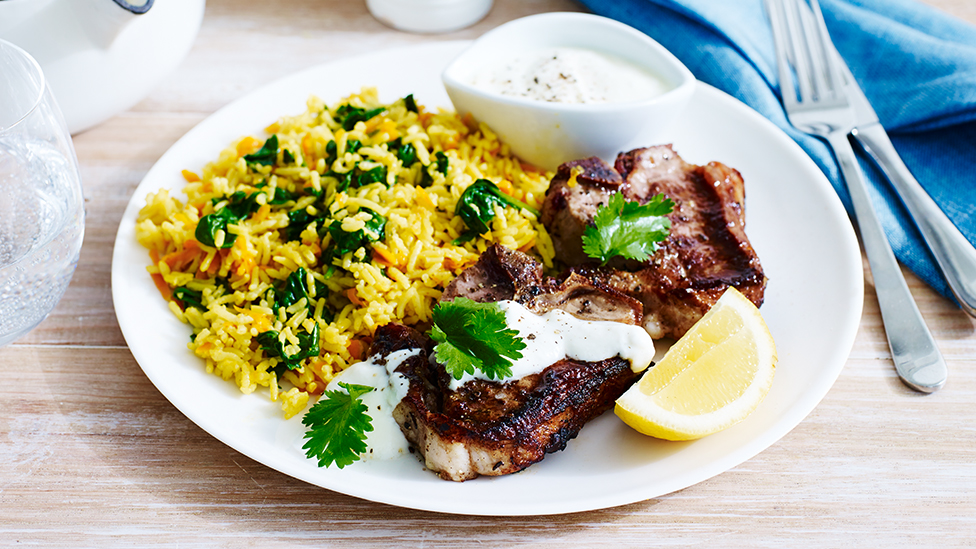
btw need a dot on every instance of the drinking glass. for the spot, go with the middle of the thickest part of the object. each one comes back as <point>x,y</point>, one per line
<point>42,215</point>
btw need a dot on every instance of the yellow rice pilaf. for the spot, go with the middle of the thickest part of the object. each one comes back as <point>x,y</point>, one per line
<point>269,273</point>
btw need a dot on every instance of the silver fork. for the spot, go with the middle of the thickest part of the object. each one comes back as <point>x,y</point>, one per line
<point>818,105</point>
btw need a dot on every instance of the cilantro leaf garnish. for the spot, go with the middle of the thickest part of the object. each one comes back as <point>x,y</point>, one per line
<point>627,229</point>
<point>337,426</point>
<point>474,336</point>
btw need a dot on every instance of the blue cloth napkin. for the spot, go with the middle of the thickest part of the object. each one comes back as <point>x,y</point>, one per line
<point>916,65</point>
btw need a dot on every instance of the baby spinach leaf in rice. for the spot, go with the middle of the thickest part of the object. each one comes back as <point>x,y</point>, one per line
<point>308,345</point>
<point>287,157</point>
<point>357,177</point>
<point>350,115</point>
<point>476,207</point>
<point>298,221</point>
<point>440,164</point>
<point>267,155</point>
<point>240,204</point>
<point>321,291</point>
<point>441,161</point>
<point>337,426</point>
<point>406,152</point>
<point>296,287</point>
<point>270,298</point>
<point>189,298</point>
<point>237,207</point>
<point>331,152</point>
<point>410,103</point>
<point>374,175</point>
<point>224,284</point>
<point>281,196</point>
<point>627,228</point>
<point>343,242</point>
<point>206,231</point>
<point>474,336</point>
<point>343,179</point>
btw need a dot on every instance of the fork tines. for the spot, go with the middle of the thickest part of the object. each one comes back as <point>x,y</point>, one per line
<point>801,36</point>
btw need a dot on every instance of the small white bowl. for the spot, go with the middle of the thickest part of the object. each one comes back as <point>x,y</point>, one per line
<point>429,16</point>
<point>547,134</point>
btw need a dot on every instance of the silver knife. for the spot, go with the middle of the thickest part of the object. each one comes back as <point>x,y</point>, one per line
<point>955,255</point>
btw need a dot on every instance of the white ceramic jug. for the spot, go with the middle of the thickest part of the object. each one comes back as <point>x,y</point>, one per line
<point>102,57</point>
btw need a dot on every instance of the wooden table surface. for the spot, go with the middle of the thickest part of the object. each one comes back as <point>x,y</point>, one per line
<point>91,454</point>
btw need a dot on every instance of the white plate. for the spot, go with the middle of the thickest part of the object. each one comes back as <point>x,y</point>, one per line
<point>795,221</point>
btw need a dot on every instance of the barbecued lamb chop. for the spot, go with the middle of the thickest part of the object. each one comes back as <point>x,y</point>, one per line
<point>499,427</point>
<point>706,252</point>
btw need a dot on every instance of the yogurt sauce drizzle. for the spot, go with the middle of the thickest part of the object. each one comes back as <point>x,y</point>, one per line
<point>557,334</point>
<point>570,75</point>
<point>549,338</point>
<point>385,441</point>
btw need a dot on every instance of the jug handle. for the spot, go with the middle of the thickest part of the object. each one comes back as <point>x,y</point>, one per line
<point>103,20</point>
<point>137,7</point>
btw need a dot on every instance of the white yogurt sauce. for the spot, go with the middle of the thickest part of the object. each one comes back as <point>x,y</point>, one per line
<point>570,75</point>
<point>385,441</point>
<point>557,334</point>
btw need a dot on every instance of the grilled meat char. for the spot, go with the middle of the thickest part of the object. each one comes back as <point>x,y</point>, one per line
<point>501,427</point>
<point>502,274</point>
<point>706,252</point>
<point>577,190</point>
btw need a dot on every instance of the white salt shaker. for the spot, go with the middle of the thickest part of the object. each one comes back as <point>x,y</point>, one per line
<point>429,16</point>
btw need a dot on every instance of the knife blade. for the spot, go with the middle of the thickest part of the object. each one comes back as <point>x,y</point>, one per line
<point>954,253</point>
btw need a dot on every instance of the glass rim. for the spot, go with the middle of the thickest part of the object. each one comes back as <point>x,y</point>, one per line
<point>5,45</point>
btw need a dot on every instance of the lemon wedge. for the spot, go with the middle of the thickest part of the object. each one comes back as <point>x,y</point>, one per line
<point>710,379</point>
